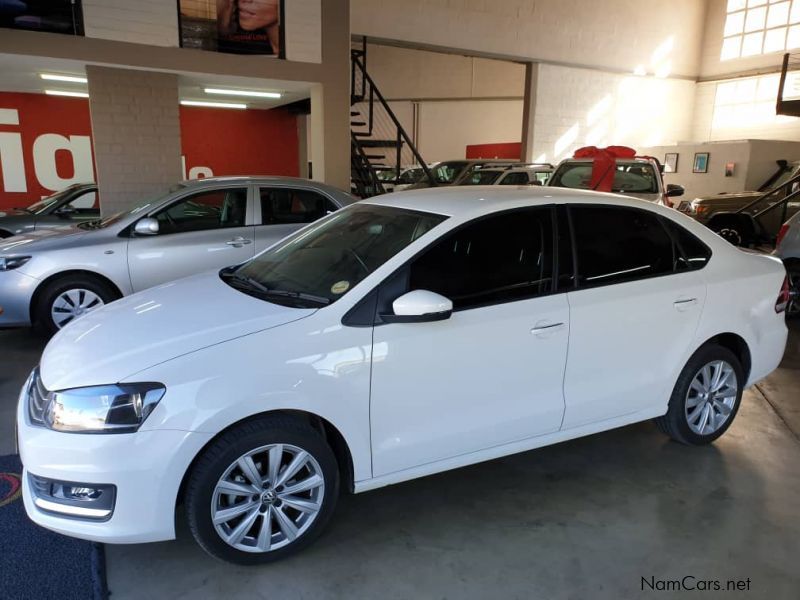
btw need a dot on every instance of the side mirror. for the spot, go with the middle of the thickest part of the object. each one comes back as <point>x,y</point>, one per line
<point>420,306</point>
<point>674,190</point>
<point>146,226</point>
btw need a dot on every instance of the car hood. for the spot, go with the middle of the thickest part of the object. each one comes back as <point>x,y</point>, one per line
<point>42,239</point>
<point>733,196</point>
<point>154,326</point>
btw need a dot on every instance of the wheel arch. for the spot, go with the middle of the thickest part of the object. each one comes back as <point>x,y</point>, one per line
<point>70,272</point>
<point>329,431</point>
<point>736,344</point>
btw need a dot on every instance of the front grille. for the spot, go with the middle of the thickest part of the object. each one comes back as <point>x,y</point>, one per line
<point>37,399</point>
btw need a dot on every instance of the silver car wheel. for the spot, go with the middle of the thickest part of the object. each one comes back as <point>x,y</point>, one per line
<point>793,308</point>
<point>711,397</point>
<point>71,304</point>
<point>267,498</point>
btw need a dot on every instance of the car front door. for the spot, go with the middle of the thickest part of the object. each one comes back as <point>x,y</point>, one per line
<point>492,373</point>
<point>632,317</point>
<point>283,210</point>
<point>203,231</point>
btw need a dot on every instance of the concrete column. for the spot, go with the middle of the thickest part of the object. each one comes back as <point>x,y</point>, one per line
<point>136,134</point>
<point>529,110</point>
<point>330,100</point>
<point>302,146</point>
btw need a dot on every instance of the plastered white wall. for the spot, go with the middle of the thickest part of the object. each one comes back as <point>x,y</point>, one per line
<point>152,22</point>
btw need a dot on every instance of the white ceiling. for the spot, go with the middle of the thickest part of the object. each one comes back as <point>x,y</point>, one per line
<point>21,74</point>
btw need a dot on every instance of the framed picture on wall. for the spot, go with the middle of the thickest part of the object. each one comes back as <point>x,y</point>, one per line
<point>53,16</point>
<point>700,162</point>
<point>233,26</point>
<point>671,162</point>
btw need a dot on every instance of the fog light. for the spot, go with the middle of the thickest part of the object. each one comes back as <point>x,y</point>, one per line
<point>81,500</point>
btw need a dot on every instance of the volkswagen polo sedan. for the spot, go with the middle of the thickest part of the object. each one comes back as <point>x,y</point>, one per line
<point>51,277</point>
<point>399,337</point>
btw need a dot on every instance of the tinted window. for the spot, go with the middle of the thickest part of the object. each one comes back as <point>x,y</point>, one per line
<point>694,254</point>
<point>518,178</point>
<point>287,206</point>
<point>482,178</point>
<point>497,259</point>
<point>86,202</point>
<point>214,209</point>
<point>629,178</point>
<point>616,244</point>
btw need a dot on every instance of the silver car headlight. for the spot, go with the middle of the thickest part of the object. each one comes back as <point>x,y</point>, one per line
<point>7,263</point>
<point>119,408</point>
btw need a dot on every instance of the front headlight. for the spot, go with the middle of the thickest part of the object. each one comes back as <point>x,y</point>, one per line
<point>120,408</point>
<point>12,262</point>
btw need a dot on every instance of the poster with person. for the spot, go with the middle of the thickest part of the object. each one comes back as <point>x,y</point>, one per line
<point>53,16</point>
<point>234,26</point>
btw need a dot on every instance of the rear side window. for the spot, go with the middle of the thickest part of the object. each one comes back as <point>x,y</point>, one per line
<point>693,254</point>
<point>617,244</point>
<point>517,178</point>
<point>497,259</point>
<point>285,206</point>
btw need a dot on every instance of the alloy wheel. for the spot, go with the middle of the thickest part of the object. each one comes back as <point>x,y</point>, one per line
<point>711,397</point>
<point>793,308</point>
<point>71,304</point>
<point>267,498</point>
<point>731,235</point>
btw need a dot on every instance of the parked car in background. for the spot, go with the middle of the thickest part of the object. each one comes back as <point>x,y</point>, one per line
<point>52,277</point>
<point>74,204</point>
<point>788,250</point>
<point>460,172</point>
<point>537,175</point>
<point>636,177</point>
<point>369,349</point>
<point>409,176</point>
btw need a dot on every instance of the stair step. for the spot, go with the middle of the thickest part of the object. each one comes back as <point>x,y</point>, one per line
<point>355,113</point>
<point>358,123</point>
<point>364,143</point>
<point>375,156</point>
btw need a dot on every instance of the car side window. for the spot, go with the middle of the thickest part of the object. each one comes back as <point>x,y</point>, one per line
<point>497,259</point>
<point>283,206</point>
<point>693,254</point>
<point>617,244</point>
<point>518,178</point>
<point>214,209</point>
<point>85,202</point>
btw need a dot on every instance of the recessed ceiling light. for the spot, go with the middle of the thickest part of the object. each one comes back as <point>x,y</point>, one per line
<point>213,104</point>
<point>68,78</point>
<point>65,93</point>
<point>249,93</point>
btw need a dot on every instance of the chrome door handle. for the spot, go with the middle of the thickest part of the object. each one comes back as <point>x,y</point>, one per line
<point>238,242</point>
<point>684,303</point>
<point>543,328</point>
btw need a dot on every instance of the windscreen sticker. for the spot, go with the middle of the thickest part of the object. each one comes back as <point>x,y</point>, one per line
<point>340,287</point>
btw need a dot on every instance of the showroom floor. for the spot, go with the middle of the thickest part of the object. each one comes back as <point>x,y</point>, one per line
<point>584,519</point>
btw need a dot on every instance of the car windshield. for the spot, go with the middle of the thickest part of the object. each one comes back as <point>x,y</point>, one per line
<point>448,172</point>
<point>323,262</point>
<point>411,175</point>
<point>141,208</point>
<point>630,177</point>
<point>482,178</point>
<point>42,205</point>
<point>386,174</point>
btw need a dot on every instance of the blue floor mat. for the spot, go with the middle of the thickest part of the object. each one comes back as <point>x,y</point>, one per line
<point>38,564</point>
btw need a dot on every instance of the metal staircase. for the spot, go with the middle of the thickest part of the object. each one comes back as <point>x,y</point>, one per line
<point>789,88</point>
<point>380,147</point>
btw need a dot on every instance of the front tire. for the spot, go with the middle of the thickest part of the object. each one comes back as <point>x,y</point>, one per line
<point>793,273</point>
<point>263,490</point>
<point>706,397</point>
<point>69,297</point>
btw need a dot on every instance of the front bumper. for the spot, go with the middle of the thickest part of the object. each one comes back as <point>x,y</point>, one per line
<point>146,468</point>
<point>16,291</point>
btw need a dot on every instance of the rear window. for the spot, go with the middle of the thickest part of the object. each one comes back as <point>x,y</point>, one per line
<point>482,178</point>
<point>630,177</point>
<point>694,254</point>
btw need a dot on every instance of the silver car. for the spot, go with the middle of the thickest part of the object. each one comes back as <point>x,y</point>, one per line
<point>51,277</point>
<point>74,204</point>
<point>788,250</point>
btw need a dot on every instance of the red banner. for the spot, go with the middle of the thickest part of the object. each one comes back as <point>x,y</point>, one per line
<point>45,144</point>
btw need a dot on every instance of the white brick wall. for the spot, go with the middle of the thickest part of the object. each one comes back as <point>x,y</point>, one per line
<point>620,34</point>
<point>579,107</point>
<point>135,132</point>
<point>153,22</point>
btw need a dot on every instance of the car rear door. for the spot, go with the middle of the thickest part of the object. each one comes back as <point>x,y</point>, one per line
<point>633,315</point>
<point>492,373</point>
<point>282,210</point>
<point>201,231</point>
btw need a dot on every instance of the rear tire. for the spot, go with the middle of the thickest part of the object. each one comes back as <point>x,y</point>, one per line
<point>66,298</point>
<point>706,397</point>
<point>793,273</point>
<point>247,500</point>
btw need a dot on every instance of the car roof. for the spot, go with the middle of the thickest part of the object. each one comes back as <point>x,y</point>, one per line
<point>472,201</point>
<point>261,180</point>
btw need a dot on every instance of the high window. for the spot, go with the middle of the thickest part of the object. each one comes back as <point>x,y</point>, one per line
<point>755,27</point>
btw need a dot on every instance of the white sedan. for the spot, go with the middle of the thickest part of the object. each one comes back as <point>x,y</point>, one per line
<point>401,336</point>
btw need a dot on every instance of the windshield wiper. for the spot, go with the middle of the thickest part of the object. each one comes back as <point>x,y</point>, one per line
<point>259,288</point>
